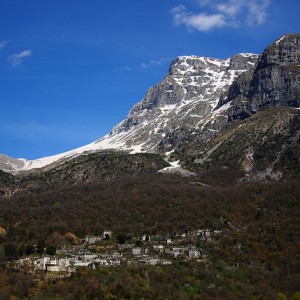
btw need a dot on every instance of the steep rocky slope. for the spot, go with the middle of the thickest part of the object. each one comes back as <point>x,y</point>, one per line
<point>261,147</point>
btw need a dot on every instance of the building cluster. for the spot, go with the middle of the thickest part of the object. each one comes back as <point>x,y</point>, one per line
<point>147,250</point>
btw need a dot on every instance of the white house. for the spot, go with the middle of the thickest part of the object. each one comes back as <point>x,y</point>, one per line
<point>158,248</point>
<point>88,257</point>
<point>53,264</point>
<point>194,253</point>
<point>136,250</point>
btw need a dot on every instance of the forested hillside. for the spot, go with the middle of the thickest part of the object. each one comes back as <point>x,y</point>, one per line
<point>256,256</point>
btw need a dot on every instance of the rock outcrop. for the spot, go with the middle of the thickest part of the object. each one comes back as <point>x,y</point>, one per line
<point>274,82</point>
<point>9,164</point>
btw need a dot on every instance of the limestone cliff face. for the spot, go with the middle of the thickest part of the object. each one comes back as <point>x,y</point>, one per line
<point>190,78</point>
<point>274,82</point>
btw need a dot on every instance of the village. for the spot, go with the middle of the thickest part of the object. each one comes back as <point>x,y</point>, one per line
<point>97,252</point>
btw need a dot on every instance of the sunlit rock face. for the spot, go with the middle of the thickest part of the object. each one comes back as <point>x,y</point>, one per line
<point>182,103</point>
<point>273,83</point>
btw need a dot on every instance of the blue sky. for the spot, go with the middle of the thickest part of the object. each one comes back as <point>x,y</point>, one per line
<point>71,69</point>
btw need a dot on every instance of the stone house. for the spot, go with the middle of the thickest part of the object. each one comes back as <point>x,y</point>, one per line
<point>92,239</point>
<point>107,234</point>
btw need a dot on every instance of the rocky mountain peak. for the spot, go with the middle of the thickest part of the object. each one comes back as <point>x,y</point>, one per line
<point>274,82</point>
<point>284,51</point>
<point>186,65</point>
<point>192,86</point>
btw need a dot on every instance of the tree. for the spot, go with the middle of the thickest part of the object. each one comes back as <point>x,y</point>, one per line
<point>121,238</point>
<point>29,249</point>
<point>10,250</point>
<point>40,247</point>
<point>51,250</point>
<point>138,243</point>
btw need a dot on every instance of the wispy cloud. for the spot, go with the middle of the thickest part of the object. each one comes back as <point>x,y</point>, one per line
<point>145,65</point>
<point>257,12</point>
<point>124,69</point>
<point>153,62</point>
<point>17,58</point>
<point>3,44</point>
<point>215,14</point>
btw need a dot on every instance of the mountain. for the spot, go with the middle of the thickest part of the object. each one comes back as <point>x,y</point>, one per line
<point>181,102</point>
<point>261,135</point>
<point>184,99</point>
<point>236,117</point>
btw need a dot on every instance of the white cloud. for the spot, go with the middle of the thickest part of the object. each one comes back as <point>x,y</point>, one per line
<point>17,58</point>
<point>3,44</point>
<point>222,13</point>
<point>200,22</point>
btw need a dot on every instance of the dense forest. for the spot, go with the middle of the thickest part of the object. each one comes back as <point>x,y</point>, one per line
<point>257,257</point>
